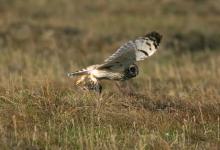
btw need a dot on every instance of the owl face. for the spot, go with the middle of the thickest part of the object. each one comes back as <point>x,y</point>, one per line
<point>131,72</point>
<point>121,64</point>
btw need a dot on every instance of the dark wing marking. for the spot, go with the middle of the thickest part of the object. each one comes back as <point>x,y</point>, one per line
<point>132,51</point>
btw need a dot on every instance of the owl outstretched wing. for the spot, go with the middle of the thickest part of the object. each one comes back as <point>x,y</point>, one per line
<point>133,51</point>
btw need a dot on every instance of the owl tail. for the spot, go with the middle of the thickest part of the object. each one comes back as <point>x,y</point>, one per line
<point>78,73</point>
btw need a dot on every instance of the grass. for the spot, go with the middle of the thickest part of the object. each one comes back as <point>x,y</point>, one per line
<point>172,104</point>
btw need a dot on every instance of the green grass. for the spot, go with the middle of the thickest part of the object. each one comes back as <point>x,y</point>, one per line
<point>174,103</point>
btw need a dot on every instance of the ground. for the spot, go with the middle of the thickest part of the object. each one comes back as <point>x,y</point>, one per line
<point>174,103</point>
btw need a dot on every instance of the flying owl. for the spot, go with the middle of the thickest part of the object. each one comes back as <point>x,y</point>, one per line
<point>120,65</point>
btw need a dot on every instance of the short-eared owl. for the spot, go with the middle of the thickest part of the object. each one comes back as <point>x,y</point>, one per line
<point>120,65</point>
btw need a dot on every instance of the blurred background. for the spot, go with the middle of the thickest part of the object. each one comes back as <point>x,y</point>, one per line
<point>175,103</point>
<point>52,37</point>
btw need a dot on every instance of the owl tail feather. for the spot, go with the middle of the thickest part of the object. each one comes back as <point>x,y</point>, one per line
<point>78,73</point>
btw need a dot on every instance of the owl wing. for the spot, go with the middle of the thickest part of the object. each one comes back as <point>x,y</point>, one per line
<point>124,56</point>
<point>133,51</point>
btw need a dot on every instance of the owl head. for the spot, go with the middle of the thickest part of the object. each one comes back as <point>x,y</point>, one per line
<point>131,72</point>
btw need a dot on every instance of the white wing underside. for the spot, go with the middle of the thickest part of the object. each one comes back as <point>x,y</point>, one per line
<point>129,53</point>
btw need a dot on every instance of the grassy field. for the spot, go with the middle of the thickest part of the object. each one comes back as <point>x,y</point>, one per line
<point>174,103</point>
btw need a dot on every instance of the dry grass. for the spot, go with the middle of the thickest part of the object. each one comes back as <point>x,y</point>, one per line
<point>174,103</point>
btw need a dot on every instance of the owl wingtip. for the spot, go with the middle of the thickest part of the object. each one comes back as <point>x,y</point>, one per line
<point>154,34</point>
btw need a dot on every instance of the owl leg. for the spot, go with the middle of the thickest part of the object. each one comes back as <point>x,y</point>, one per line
<point>82,79</point>
<point>93,84</point>
<point>89,83</point>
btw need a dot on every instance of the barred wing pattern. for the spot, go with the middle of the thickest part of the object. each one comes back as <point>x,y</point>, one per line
<point>144,48</point>
<point>133,51</point>
<point>120,65</point>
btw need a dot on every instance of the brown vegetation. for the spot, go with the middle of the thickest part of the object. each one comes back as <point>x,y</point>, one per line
<point>174,103</point>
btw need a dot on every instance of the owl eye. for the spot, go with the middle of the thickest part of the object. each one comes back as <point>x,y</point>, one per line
<point>132,69</point>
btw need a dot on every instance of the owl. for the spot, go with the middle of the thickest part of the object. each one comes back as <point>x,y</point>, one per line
<point>121,65</point>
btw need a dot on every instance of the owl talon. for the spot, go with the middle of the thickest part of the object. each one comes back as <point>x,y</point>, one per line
<point>89,83</point>
<point>120,65</point>
<point>80,80</point>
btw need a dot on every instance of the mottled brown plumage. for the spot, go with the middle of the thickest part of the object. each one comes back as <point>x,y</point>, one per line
<point>120,65</point>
